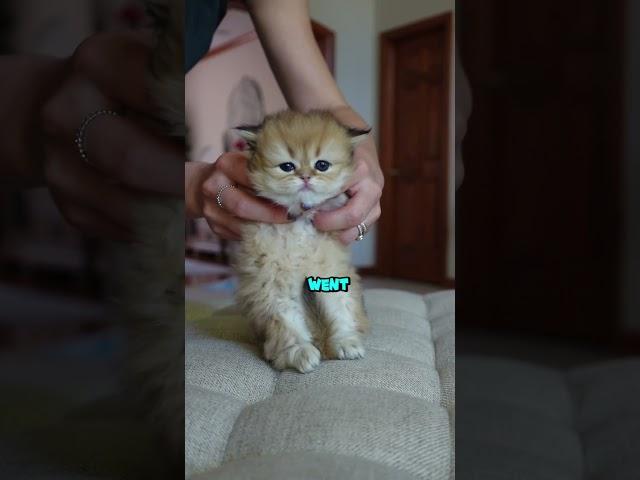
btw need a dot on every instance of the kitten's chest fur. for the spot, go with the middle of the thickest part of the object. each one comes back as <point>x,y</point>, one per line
<point>296,249</point>
<point>298,327</point>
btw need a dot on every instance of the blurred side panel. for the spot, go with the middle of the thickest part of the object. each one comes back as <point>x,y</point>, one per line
<point>73,404</point>
<point>548,365</point>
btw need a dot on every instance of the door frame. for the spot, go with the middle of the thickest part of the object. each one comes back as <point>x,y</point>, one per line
<point>386,122</point>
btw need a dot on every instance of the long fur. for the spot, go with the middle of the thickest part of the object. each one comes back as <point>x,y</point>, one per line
<point>167,76</point>
<point>299,327</point>
<point>149,280</point>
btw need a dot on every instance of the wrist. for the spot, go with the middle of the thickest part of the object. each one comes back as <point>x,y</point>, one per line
<point>348,116</point>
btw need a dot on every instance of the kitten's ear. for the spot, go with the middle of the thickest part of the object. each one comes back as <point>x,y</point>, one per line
<point>357,135</point>
<point>249,133</point>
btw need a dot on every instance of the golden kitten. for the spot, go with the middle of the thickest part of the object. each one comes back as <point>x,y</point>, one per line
<point>147,281</point>
<point>302,162</point>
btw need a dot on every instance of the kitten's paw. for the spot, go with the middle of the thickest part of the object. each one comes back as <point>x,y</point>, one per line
<point>303,357</point>
<point>347,348</point>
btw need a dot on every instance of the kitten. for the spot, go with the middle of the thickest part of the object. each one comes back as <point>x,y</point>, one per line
<point>148,275</point>
<point>302,162</point>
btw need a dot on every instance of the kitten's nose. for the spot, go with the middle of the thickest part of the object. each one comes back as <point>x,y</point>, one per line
<point>305,178</point>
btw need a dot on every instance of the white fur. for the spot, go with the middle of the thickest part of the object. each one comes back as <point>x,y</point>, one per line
<point>273,262</point>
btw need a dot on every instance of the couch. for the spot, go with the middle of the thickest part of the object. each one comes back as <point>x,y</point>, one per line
<point>524,421</point>
<point>387,416</point>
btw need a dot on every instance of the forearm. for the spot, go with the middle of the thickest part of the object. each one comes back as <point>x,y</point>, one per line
<point>285,33</point>
<point>29,81</point>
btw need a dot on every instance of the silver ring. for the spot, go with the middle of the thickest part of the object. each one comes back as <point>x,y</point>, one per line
<point>220,192</point>
<point>362,229</point>
<point>82,131</point>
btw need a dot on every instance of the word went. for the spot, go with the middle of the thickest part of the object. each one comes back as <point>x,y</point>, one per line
<point>329,284</point>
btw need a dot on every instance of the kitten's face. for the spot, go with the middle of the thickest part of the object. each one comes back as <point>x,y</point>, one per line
<point>299,160</point>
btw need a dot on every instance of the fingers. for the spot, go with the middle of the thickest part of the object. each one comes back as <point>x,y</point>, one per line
<point>234,166</point>
<point>349,235</point>
<point>240,203</point>
<point>119,148</point>
<point>106,57</point>
<point>133,156</point>
<point>76,183</point>
<point>222,231</point>
<point>360,172</point>
<point>363,206</point>
<point>218,218</point>
<point>365,195</point>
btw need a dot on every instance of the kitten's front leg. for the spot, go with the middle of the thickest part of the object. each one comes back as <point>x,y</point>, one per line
<point>343,314</point>
<point>288,340</point>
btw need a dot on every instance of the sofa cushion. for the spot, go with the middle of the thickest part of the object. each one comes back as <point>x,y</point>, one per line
<point>304,465</point>
<point>531,422</point>
<point>389,414</point>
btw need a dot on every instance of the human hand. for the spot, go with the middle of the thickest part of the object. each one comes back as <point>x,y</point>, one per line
<point>203,181</point>
<point>125,158</point>
<point>364,190</point>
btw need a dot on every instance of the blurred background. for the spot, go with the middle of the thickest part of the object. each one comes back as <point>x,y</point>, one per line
<point>393,61</point>
<point>63,409</point>
<point>41,256</point>
<point>547,230</point>
<point>548,240</point>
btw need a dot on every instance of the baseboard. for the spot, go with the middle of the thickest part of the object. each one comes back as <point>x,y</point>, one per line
<point>368,271</point>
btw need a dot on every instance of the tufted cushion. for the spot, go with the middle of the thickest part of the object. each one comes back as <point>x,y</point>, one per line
<point>529,422</point>
<point>388,415</point>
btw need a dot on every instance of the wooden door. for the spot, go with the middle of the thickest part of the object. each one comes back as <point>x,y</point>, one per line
<point>414,122</point>
<point>537,216</point>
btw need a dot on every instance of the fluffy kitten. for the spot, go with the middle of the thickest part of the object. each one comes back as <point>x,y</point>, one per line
<point>302,162</point>
<point>148,276</point>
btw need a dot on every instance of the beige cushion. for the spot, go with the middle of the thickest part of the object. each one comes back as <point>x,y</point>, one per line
<point>388,415</point>
<point>304,465</point>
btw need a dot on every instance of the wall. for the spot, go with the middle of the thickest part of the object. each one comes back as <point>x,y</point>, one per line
<point>394,13</point>
<point>353,22</point>
<point>358,24</point>
<point>208,109</point>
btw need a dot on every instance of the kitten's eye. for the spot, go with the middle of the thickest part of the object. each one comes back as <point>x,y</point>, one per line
<point>287,167</point>
<point>322,165</point>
